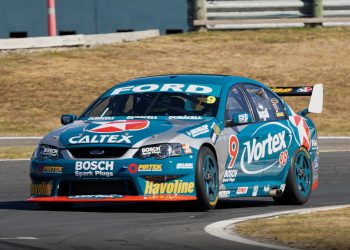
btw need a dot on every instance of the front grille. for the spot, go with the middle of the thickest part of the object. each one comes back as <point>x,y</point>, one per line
<point>98,152</point>
<point>121,187</point>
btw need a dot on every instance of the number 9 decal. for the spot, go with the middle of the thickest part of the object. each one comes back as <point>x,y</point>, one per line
<point>233,150</point>
<point>211,99</point>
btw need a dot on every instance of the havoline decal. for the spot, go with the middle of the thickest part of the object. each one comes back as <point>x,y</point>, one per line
<point>273,144</point>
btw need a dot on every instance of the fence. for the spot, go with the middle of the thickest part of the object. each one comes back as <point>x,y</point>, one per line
<point>243,14</point>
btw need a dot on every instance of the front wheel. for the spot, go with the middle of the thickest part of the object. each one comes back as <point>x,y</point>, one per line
<point>299,180</point>
<point>207,179</point>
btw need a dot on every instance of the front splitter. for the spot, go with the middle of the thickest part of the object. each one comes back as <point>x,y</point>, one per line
<point>127,198</point>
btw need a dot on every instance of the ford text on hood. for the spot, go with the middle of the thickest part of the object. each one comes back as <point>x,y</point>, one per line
<point>176,138</point>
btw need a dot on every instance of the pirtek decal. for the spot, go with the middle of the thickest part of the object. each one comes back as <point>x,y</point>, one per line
<point>87,139</point>
<point>176,187</point>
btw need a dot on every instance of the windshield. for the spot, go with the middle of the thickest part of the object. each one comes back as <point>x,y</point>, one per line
<point>155,104</point>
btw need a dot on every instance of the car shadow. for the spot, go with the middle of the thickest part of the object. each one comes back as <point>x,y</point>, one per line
<point>163,207</point>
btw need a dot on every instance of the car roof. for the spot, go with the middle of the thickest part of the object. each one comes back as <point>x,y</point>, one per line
<point>190,78</point>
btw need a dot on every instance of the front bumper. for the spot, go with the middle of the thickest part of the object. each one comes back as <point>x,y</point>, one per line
<point>112,180</point>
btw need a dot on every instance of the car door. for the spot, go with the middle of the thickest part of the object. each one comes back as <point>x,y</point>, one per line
<point>272,136</point>
<point>237,136</point>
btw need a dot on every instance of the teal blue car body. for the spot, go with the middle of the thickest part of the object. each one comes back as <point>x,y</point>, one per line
<point>152,155</point>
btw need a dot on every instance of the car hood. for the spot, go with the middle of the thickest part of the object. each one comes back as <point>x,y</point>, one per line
<point>130,133</point>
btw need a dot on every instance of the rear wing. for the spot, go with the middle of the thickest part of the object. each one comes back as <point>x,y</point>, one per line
<point>316,93</point>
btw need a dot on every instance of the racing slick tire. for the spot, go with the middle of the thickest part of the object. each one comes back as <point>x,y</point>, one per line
<point>207,179</point>
<point>299,180</point>
<point>54,206</point>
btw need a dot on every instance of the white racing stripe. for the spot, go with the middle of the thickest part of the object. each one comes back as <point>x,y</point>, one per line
<point>226,229</point>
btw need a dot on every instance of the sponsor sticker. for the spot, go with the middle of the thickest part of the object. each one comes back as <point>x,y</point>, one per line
<point>147,117</point>
<point>304,90</point>
<point>281,90</point>
<point>211,99</point>
<point>283,158</point>
<point>52,169</point>
<point>101,118</point>
<point>150,168</point>
<point>279,114</point>
<point>272,144</point>
<point>43,188</point>
<point>87,139</point>
<point>95,196</point>
<point>274,102</point>
<point>266,188</point>
<point>168,87</point>
<point>229,175</point>
<point>150,150</point>
<point>263,112</point>
<point>185,117</point>
<point>198,131</point>
<point>119,126</point>
<point>243,118</point>
<point>242,190</point>
<point>175,187</point>
<point>314,143</point>
<point>233,150</point>
<point>187,149</point>
<point>255,191</point>
<point>94,168</point>
<point>224,194</point>
<point>184,166</point>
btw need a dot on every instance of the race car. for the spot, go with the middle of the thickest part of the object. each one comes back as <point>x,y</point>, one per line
<point>194,138</point>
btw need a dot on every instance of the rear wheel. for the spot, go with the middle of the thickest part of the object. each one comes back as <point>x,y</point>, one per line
<point>207,179</point>
<point>299,180</point>
<point>55,206</point>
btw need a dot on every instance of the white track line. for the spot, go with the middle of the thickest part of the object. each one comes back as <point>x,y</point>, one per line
<point>19,238</point>
<point>21,138</point>
<point>226,229</point>
<point>334,137</point>
<point>14,160</point>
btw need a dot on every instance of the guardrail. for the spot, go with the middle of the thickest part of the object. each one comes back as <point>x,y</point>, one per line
<point>243,14</point>
<point>75,40</point>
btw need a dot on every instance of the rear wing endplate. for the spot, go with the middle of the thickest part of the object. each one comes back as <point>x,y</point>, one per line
<point>316,93</point>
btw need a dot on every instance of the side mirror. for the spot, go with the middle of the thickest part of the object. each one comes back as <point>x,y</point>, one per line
<point>240,118</point>
<point>66,119</point>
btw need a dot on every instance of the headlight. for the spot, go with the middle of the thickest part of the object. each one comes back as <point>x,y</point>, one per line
<point>160,151</point>
<point>48,152</point>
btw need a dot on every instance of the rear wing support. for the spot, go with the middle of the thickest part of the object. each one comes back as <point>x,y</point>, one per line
<point>316,93</point>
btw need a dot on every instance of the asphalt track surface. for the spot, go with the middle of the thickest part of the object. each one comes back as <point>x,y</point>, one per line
<point>141,226</point>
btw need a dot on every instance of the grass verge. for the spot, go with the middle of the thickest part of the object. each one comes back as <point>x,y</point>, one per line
<point>36,87</point>
<point>16,152</point>
<point>320,230</point>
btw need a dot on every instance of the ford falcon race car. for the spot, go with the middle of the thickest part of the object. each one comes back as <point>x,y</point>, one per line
<point>181,138</point>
